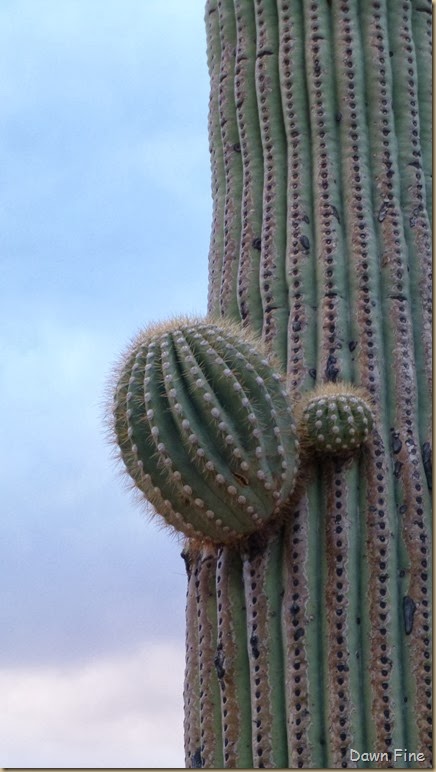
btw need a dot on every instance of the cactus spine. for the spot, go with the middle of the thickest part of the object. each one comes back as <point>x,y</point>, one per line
<point>314,638</point>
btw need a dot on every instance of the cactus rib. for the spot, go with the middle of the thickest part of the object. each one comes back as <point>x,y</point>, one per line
<point>228,304</point>
<point>231,661</point>
<point>249,297</point>
<point>216,158</point>
<point>272,278</point>
<point>412,196</point>
<point>191,690</point>
<point>422,40</point>
<point>300,251</point>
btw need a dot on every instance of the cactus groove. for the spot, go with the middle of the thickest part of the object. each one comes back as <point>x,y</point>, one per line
<point>313,637</point>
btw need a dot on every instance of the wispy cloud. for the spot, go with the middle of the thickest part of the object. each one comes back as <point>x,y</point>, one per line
<point>110,712</point>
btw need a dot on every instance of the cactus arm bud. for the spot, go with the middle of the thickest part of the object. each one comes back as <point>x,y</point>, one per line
<point>335,418</point>
<point>205,428</point>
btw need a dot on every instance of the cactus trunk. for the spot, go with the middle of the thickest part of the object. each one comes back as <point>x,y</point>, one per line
<point>313,639</point>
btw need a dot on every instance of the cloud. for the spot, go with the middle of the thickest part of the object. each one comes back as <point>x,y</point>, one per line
<point>109,712</point>
<point>82,572</point>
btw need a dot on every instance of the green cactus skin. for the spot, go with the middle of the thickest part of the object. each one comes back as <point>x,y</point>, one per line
<point>217,163</point>
<point>232,165</point>
<point>318,629</point>
<point>205,428</point>
<point>249,294</point>
<point>335,419</point>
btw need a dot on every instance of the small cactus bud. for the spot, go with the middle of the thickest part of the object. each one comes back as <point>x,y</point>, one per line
<point>335,418</point>
<point>211,443</point>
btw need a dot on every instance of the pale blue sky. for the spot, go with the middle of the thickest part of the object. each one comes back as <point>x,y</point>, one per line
<point>104,226</point>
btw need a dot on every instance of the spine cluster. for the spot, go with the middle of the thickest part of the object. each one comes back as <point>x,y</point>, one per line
<point>205,428</point>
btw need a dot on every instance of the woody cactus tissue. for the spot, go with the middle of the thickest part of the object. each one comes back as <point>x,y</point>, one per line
<point>308,617</point>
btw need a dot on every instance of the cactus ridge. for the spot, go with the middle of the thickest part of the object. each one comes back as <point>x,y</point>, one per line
<point>205,428</point>
<point>249,294</point>
<point>336,418</point>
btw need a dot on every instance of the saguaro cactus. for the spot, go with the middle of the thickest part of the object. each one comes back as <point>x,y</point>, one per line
<point>308,634</point>
<point>316,641</point>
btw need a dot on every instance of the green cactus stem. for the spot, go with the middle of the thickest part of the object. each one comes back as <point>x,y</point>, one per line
<point>308,617</point>
<point>323,619</point>
<point>205,428</point>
